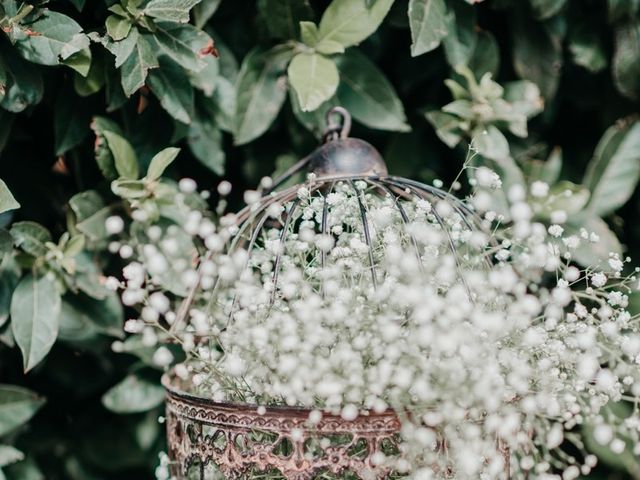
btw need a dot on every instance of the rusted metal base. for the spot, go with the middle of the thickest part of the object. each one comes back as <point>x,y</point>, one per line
<point>215,441</point>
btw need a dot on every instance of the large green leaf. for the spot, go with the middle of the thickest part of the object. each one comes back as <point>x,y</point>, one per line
<point>23,84</point>
<point>183,44</point>
<point>118,28</point>
<point>491,143</point>
<point>462,36</point>
<point>133,395</point>
<point>50,37</point>
<point>349,22</point>
<point>30,237</point>
<point>137,65</point>
<point>427,19</point>
<point>315,79</point>
<point>124,157</point>
<point>614,171</point>
<point>86,315</point>
<point>17,406</point>
<point>103,154</point>
<point>160,162</point>
<point>122,49</point>
<point>587,49</point>
<point>260,92</point>
<point>171,85</point>
<point>205,142</point>
<point>171,10</point>
<point>7,202</point>
<point>35,310</point>
<point>368,95</point>
<point>203,11</point>
<point>283,17</point>
<point>626,67</point>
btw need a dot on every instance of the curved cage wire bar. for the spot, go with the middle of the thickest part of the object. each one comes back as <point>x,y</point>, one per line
<point>209,440</point>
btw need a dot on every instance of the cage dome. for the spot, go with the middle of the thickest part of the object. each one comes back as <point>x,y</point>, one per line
<point>350,212</point>
<point>350,230</point>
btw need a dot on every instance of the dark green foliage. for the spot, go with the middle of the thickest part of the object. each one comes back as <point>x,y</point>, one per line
<point>90,92</point>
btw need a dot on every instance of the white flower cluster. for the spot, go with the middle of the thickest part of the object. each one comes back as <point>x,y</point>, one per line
<point>357,298</point>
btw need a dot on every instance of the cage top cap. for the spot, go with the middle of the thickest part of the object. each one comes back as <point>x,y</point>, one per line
<point>341,155</point>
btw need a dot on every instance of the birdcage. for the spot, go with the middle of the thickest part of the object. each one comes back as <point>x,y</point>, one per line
<point>211,440</point>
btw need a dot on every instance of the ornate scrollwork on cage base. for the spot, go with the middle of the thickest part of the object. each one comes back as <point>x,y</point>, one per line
<point>240,442</point>
<point>215,441</point>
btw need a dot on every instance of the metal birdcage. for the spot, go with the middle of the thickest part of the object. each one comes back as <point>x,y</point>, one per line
<point>209,440</point>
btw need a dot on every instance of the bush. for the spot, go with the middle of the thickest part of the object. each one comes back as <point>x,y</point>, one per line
<point>542,91</point>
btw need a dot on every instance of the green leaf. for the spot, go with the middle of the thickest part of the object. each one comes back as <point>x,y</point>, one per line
<point>137,65</point>
<point>79,61</point>
<point>626,67</point>
<point>160,162</point>
<point>171,85</point>
<point>118,28</point>
<point>7,202</point>
<point>183,44</point>
<point>491,143</point>
<point>124,157</point>
<point>283,17</point>
<point>349,22</point>
<point>446,126</point>
<point>17,406</point>
<point>566,196</point>
<point>537,55</point>
<point>614,171</point>
<point>35,310</point>
<point>593,254</point>
<point>205,142</point>
<point>223,104</point>
<point>31,237</point>
<point>367,94</point>
<point>314,78</point>
<point>260,92</point>
<point>486,55</point>
<point>49,38</point>
<point>544,9</point>
<point>94,79</point>
<point>427,19</point>
<point>6,246</point>
<point>25,470</point>
<point>96,315</point>
<point>85,204</point>
<point>9,455</point>
<point>203,11</point>
<point>587,50</point>
<point>103,155</point>
<point>462,37</point>
<point>171,10</point>
<point>133,395</point>
<point>123,49</point>
<point>93,226</point>
<point>24,86</point>
<point>128,189</point>
<point>206,79</point>
<point>8,281</point>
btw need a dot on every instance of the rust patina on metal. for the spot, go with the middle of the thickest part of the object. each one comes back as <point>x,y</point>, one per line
<point>239,440</point>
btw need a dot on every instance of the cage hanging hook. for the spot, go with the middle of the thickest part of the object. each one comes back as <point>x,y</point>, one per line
<point>337,128</point>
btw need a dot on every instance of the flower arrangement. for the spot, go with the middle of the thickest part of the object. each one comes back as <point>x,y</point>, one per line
<point>478,329</point>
